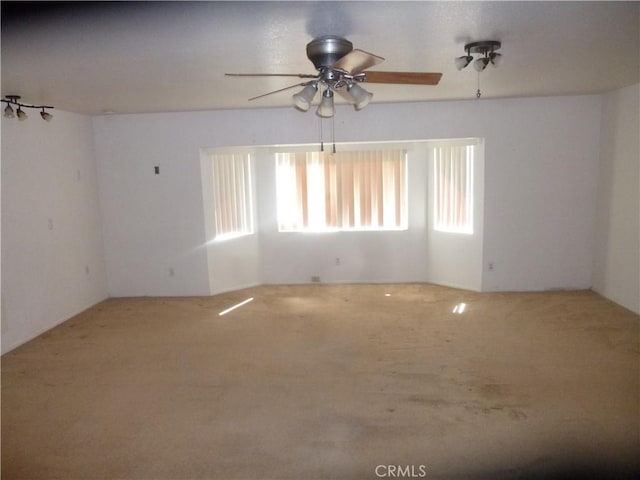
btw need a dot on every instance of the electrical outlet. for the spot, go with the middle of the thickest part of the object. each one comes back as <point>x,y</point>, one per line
<point>491,266</point>
<point>172,272</point>
<point>315,279</point>
<point>338,261</point>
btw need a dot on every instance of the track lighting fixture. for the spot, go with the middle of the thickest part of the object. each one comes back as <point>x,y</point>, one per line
<point>487,50</point>
<point>20,113</point>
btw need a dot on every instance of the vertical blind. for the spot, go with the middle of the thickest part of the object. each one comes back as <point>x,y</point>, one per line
<point>453,188</point>
<point>232,194</point>
<point>350,190</point>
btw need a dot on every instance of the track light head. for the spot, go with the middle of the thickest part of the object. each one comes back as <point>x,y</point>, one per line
<point>8,112</point>
<point>20,114</point>
<point>462,62</point>
<point>46,116</point>
<point>481,63</point>
<point>495,59</point>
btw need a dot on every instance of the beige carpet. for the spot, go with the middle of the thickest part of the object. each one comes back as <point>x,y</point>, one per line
<point>319,382</point>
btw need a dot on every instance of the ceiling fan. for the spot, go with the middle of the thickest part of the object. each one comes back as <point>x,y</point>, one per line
<point>340,69</point>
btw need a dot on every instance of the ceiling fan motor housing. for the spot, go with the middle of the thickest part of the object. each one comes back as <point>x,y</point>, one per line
<point>327,50</point>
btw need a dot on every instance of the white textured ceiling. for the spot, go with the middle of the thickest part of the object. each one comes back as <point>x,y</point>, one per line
<point>129,57</point>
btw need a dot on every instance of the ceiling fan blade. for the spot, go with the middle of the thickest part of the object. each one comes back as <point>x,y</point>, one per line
<point>406,78</point>
<point>299,75</point>
<point>303,84</point>
<point>356,61</point>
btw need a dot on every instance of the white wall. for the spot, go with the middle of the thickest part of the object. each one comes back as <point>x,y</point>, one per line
<point>155,224</point>
<point>541,167</point>
<point>617,247</point>
<point>52,251</point>
<point>540,191</point>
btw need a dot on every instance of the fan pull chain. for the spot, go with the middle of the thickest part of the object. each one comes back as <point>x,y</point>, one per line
<point>478,92</point>
<point>333,133</point>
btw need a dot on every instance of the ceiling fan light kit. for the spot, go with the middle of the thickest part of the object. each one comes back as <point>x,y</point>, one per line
<point>303,99</point>
<point>360,96</point>
<point>487,51</point>
<point>19,112</point>
<point>326,109</point>
<point>341,68</point>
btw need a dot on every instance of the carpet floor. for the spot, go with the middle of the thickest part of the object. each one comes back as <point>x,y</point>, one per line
<point>329,382</point>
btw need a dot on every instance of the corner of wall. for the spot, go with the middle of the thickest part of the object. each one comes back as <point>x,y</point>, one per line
<point>616,260</point>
